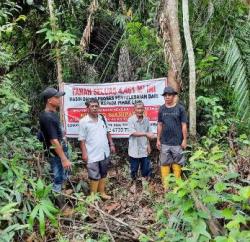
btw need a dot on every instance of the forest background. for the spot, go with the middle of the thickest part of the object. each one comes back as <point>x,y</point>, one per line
<point>44,43</point>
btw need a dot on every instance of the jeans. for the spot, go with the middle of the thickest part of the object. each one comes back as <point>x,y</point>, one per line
<point>143,163</point>
<point>58,172</point>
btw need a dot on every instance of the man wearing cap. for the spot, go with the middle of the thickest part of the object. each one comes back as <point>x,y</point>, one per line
<point>53,136</point>
<point>171,135</point>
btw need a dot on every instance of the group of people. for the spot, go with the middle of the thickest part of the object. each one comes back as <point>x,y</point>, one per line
<point>96,141</point>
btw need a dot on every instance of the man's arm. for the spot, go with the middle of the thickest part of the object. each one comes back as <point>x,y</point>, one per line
<point>149,135</point>
<point>111,143</point>
<point>84,150</point>
<point>59,151</point>
<point>184,134</point>
<point>135,133</point>
<point>159,132</point>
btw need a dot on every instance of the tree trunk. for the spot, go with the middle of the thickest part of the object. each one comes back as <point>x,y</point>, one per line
<point>169,25</point>
<point>84,43</point>
<point>125,70</point>
<point>54,27</point>
<point>123,6</point>
<point>192,74</point>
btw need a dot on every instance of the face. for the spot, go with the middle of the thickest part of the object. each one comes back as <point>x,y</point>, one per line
<point>93,108</point>
<point>169,98</point>
<point>54,101</point>
<point>139,110</point>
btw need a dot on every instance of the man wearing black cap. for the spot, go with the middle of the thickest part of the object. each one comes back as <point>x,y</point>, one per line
<point>171,135</point>
<point>53,136</point>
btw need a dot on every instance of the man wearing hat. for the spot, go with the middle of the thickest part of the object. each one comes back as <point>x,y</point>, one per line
<point>53,136</point>
<point>171,135</point>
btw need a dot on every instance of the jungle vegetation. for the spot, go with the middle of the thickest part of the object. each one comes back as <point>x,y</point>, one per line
<point>206,56</point>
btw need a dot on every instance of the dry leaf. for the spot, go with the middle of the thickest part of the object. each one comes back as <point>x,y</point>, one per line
<point>113,206</point>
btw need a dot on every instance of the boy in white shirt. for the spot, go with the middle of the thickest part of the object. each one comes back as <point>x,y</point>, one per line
<point>96,144</point>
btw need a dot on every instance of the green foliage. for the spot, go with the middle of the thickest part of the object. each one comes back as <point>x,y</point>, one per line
<point>15,132</point>
<point>12,218</point>
<point>57,37</point>
<point>19,146</point>
<point>43,208</point>
<point>6,215</point>
<point>237,75</point>
<point>146,47</point>
<point>7,10</point>
<point>220,32</point>
<point>211,188</point>
<point>208,182</point>
<point>140,38</point>
<point>7,27</point>
<point>212,116</point>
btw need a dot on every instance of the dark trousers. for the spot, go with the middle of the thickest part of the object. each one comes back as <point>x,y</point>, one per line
<point>144,164</point>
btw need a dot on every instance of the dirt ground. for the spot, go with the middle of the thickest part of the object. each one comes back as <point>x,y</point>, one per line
<point>125,217</point>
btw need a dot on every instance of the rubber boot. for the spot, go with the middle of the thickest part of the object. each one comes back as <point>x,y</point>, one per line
<point>165,170</point>
<point>93,186</point>
<point>176,170</point>
<point>101,189</point>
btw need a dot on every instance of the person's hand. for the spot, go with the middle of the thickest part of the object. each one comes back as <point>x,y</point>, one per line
<point>112,148</point>
<point>66,164</point>
<point>158,144</point>
<point>149,149</point>
<point>150,135</point>
<point>85,157</point>
<point>184,144</point>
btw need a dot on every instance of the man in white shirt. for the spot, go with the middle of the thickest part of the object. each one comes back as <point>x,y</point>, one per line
<point>96,144</point>
<point>139,147</point>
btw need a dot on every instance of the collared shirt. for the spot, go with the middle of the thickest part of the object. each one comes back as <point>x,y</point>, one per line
<point>138,145</point>
<point>95,136</point>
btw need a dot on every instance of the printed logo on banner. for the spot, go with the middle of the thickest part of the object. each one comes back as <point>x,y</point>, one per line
<point>116,102</point>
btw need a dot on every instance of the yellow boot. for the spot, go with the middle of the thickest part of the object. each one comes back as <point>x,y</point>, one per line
<point>93,186</point>
<point>101,189</point>
<point>165,170</point>
<point>176,170</point>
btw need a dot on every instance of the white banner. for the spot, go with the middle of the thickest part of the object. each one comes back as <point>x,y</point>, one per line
<point>116,102</point>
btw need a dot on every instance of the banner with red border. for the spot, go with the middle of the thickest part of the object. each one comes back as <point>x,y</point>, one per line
<point>116,102</point>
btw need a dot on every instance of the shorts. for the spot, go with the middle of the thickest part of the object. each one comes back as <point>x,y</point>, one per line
<point>99,169</point>
<point>171,155</point>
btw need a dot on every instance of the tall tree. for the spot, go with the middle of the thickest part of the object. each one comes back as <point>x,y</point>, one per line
<point>54,28</point>
<point>169,25</point>
<point>192,74</point>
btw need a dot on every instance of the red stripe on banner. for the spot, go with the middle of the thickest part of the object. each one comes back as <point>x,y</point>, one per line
<point>112,114</point>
